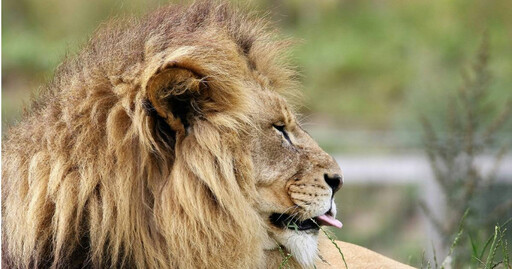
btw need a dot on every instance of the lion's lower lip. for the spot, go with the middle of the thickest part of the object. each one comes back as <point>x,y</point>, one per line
<point>289,222</point>
<point>293,223</point>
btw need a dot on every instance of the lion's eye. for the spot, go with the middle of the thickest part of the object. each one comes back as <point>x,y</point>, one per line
<point>282,130</point>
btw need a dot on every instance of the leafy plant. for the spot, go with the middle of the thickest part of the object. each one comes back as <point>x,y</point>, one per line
<point>486,257</point>
<point>470,131</point>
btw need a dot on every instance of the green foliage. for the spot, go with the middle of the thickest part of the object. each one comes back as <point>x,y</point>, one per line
<point>286,257</point>
<point>470,131</point>
<point>487,258</point>
<point>292,225</point>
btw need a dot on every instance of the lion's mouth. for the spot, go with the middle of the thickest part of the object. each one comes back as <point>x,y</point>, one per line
<point>293,223</point>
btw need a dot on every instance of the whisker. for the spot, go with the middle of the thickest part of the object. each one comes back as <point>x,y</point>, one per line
<point>288,209</point>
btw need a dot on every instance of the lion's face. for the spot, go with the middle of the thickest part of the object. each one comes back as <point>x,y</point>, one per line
<point>295,179</point>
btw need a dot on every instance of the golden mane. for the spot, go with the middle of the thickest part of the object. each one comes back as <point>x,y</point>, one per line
<point>94,176</point>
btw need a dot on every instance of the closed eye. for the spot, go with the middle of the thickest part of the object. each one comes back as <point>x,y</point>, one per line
<point>282,130</point>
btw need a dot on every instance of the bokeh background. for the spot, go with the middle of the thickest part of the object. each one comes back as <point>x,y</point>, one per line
<point>370,69</point>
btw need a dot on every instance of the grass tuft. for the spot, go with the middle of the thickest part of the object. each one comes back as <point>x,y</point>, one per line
<point>286,257</point>
<point>333,242</point>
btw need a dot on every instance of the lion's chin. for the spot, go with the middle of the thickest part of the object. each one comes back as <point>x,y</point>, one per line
<point>302,245</point>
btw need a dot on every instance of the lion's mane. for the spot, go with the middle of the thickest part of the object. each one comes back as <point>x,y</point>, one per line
<point>93,176</point>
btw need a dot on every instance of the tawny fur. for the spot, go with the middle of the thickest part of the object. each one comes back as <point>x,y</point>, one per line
<point>88,178</point>
<point>155,147</point>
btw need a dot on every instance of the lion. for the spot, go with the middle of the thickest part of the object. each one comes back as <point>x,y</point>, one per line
<point>167,142</point>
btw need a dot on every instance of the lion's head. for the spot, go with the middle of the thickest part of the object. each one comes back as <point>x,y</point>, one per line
<point>166,143</point>
<point>295,179</point>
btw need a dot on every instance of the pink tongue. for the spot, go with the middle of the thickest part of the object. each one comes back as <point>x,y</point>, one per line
<point>328,220</point>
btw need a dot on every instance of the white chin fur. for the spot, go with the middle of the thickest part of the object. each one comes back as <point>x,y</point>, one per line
<point>303,247</point>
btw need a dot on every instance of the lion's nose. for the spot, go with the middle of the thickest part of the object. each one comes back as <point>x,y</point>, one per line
<point>334,181</point>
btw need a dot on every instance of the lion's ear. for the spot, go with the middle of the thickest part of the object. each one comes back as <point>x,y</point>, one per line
<point>175,92</point>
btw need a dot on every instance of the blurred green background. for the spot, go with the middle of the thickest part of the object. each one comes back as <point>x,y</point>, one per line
<point>366,65</point>
<point>369,68</point>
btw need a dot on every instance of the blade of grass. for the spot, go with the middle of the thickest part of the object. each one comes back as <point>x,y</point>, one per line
<point>492,250</point>
<point>286,257</point>
<point>490,239</point>
<point>333,242</point>
<point>487,243</point>
<point>292,225</point>
<point>285,261</point>
<point>459,233</point>
<point>506,223</point>
<point>482,263</point>
<point>474,247</point>
<point>506,258</point>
